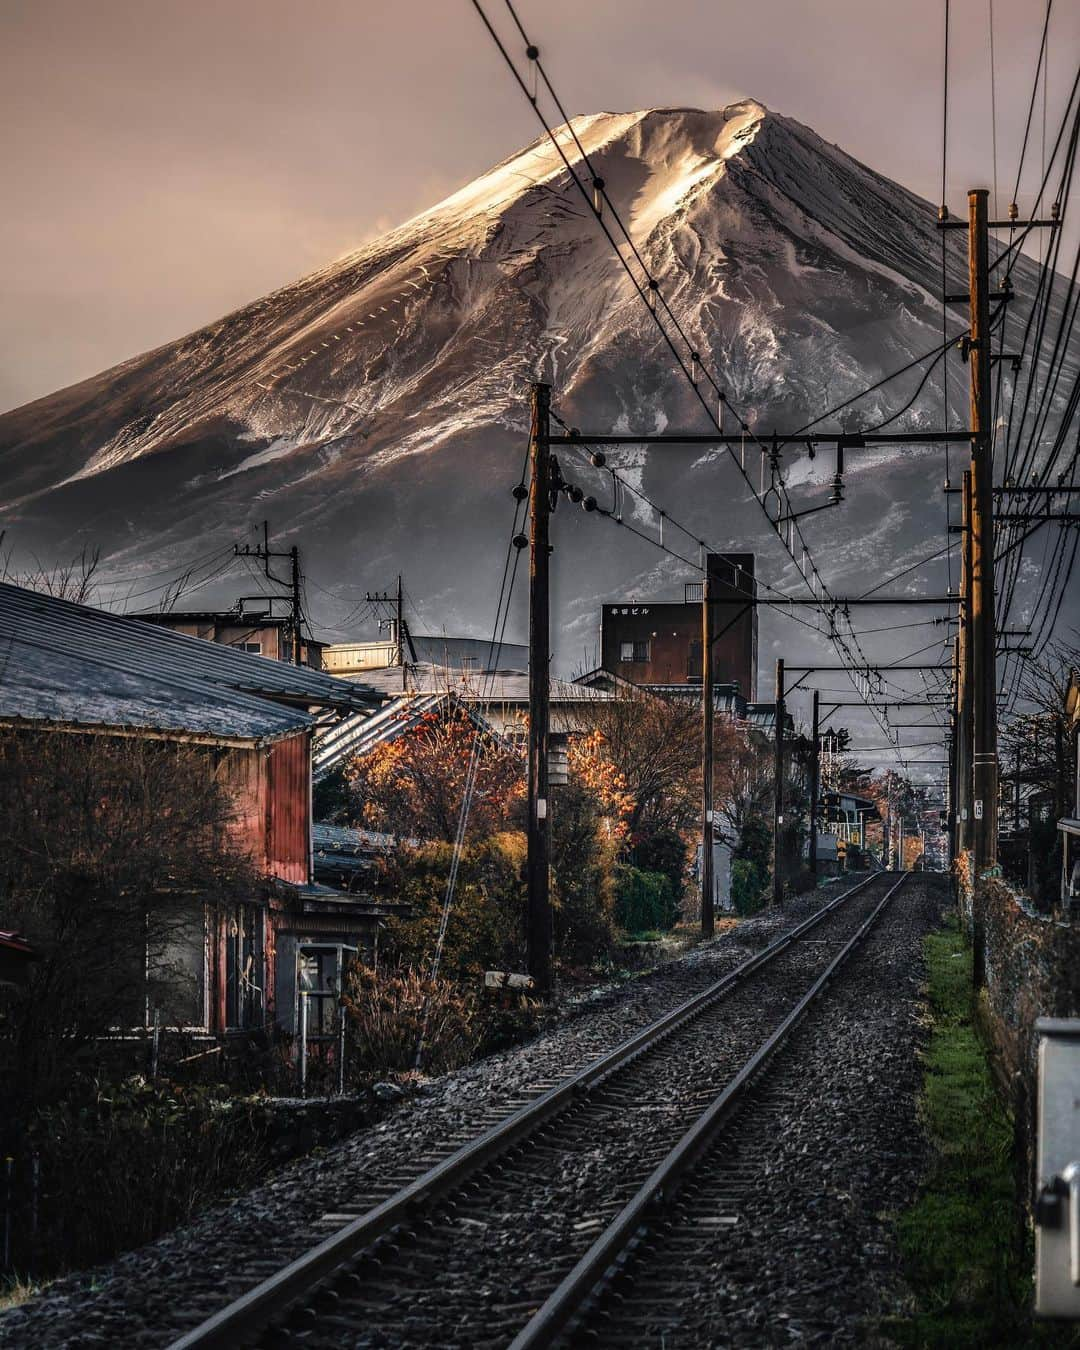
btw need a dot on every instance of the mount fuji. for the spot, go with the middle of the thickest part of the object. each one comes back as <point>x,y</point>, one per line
<point>376,412</point>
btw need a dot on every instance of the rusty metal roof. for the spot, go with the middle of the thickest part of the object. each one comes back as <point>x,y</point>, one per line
<point>59,669</point>
<point>146,649</point>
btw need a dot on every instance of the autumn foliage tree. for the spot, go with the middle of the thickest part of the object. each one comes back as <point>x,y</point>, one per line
<point>653,747</point>
<point>413,786</point>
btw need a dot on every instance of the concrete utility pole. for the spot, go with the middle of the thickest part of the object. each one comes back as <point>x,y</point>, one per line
<point>983,629</point>
<point>778,792</point>
<point>538,917</point>
<point>294,558</point>
<point>264,553</point>
<point>707,711</point>
<point>815,776</point>
<point>399,633</point>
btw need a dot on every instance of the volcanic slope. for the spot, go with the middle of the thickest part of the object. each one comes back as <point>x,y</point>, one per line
<point>376,411</point>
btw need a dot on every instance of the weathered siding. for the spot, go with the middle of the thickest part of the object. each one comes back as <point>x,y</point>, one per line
<point>288,817</point>
<point>272,805</point>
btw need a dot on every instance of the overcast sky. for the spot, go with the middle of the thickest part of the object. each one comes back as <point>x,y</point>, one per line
<point>163,163</point>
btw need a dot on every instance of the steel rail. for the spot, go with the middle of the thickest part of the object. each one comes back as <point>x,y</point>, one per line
<point>242,1319</point>
<point>590,1273</point>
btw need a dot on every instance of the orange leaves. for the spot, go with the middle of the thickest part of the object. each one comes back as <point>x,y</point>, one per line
<point>413,786</point>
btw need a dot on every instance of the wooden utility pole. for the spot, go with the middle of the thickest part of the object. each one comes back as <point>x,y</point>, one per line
<point>815,777</point>
<point>983,629</point>
<point>778,792</point>
<point>707,713</point>
<point>886,833</point>
<point>954,751</point>
<point>538,920</point>
<point>965,685</point>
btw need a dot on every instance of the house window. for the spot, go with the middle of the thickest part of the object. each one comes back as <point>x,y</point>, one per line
<point>634,651</point>
<point>243,967</point>
<point>255,647</point>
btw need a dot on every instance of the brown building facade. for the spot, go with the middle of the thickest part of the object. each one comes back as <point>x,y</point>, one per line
<point>659,643</point>
<point>257,632</point>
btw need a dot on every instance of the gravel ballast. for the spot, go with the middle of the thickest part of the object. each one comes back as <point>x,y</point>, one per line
<point>134,1300</point>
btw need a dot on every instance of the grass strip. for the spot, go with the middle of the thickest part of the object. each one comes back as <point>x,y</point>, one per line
<point>966,1259</point>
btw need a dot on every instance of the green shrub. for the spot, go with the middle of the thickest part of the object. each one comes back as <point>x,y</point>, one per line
<point>486,928</point>
<point>644,900</point>
<point>664,851</point>
<point>747,886</point>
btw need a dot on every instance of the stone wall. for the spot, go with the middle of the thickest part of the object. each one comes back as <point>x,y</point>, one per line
<point>1031,964</point>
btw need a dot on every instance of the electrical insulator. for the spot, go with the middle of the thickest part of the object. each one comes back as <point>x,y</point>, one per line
<point>1014,211</point>
<point>943,212</point>
<point>598,195</point>
<point>654,287</point>
<point>1055,210</point>
<point>598,458</point>
<point>520,492</point>
<point>521,541</point>
<point>695,367</point>
<point>575,493</point>
<point>589,504</point>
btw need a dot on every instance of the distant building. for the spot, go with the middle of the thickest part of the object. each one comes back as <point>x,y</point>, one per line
<point>258,627</point>
<point>659,643</point>
<point>1069,826</point>
<point>460,655</point>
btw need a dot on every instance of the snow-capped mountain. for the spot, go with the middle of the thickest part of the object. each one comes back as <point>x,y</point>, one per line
<point>376,411</point>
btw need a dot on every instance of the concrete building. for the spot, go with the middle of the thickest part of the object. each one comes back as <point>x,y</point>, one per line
<point>659,643</point>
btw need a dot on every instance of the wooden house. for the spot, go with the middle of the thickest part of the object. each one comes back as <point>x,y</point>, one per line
<point>70,670</point>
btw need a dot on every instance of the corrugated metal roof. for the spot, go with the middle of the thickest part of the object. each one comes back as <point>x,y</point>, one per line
<point>358,735</point>
<point>487,689</point>
<point>346,839</point>
<point>145,648</point>
<point>42,683</point>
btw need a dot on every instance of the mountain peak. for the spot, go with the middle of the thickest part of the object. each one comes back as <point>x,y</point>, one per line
<point>389,389</point>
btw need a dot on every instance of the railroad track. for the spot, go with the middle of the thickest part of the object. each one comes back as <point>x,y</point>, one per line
<point>515,1235</point>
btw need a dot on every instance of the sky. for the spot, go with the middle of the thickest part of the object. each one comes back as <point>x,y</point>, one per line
<point>166,163</point>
